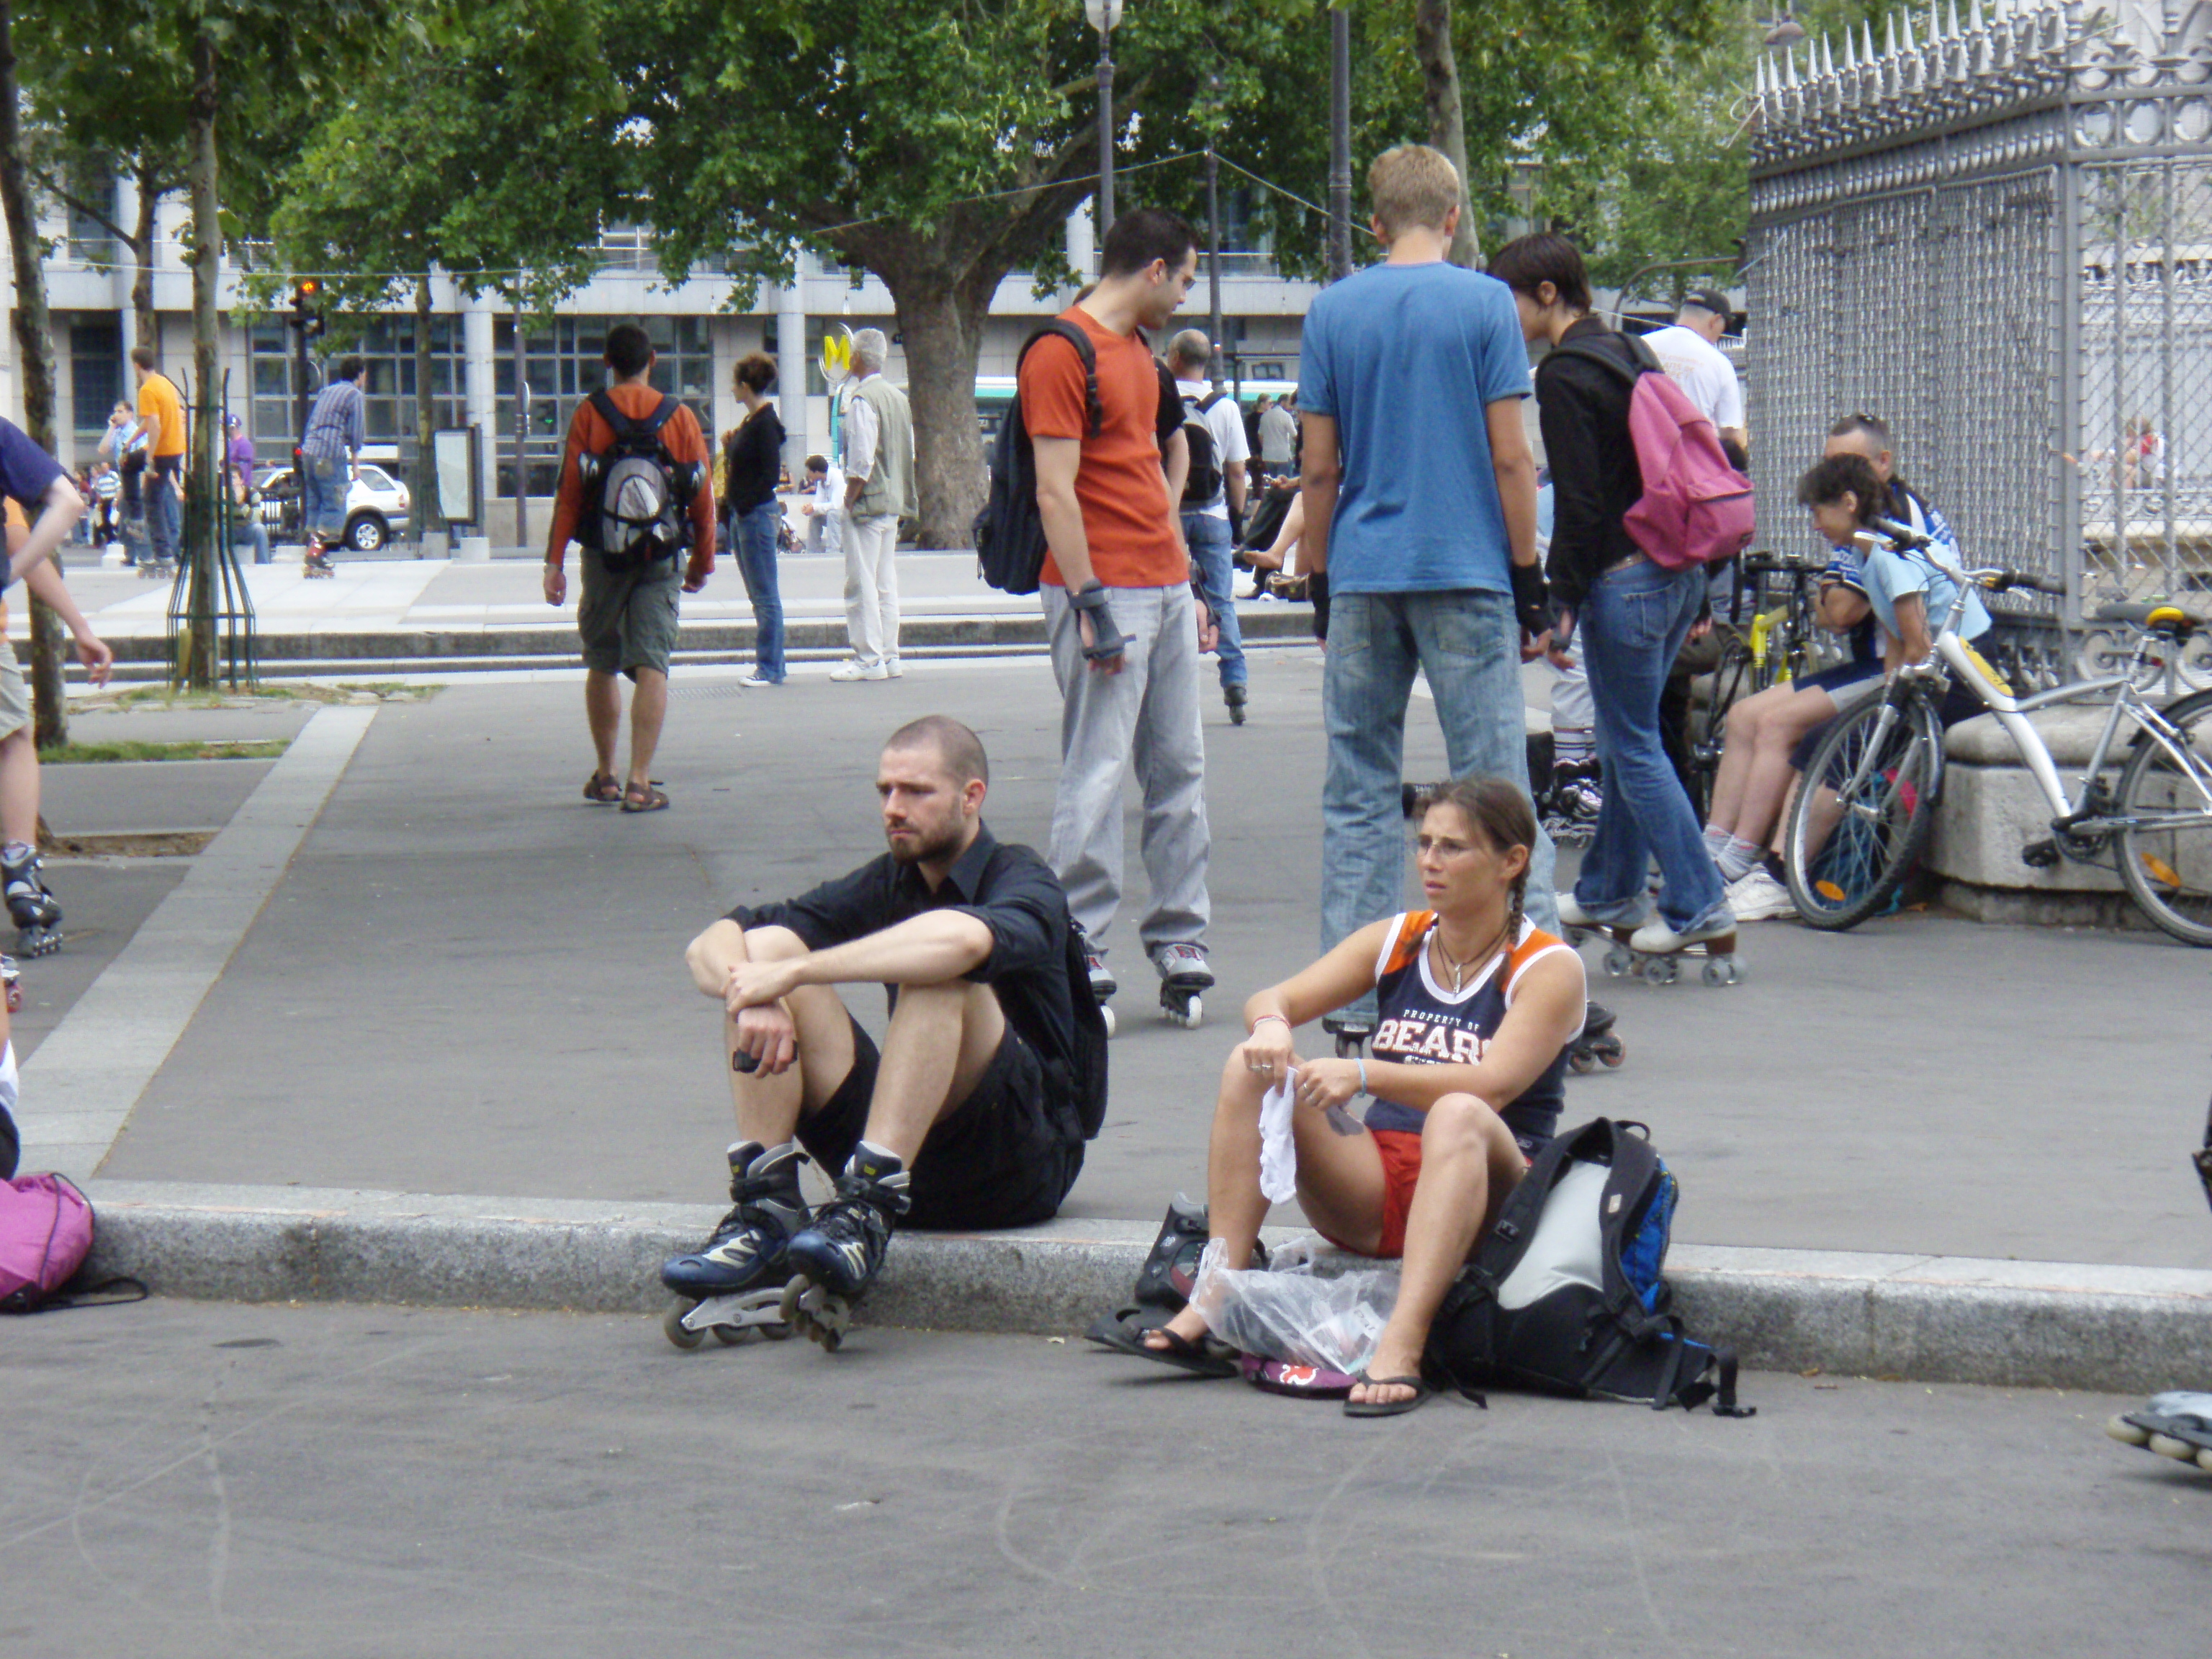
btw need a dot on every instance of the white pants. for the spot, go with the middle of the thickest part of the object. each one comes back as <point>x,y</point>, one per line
<point>871,612</point>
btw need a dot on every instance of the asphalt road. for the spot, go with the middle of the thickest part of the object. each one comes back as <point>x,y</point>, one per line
<point>203,1479</point>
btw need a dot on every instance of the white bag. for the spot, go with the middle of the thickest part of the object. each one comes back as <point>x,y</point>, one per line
<point>1288,1311</point>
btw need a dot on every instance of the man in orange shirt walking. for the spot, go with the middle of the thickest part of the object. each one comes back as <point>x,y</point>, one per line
<point>161,414</point>
<point>636,491</point>
<point>1125,629</point>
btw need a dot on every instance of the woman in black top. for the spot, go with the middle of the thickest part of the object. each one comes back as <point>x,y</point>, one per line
<point>1633,614</point>
<point>753,455</point>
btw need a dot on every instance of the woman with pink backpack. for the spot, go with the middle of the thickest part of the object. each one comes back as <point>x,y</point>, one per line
<point>1626,568</point>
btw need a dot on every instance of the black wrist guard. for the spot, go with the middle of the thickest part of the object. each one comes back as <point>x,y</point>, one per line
<point>1317,592</point>
<point>1107,641</point>
<point>1532,600</point>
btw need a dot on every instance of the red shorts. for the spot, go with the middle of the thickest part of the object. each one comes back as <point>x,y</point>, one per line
<point>1401,1151</point>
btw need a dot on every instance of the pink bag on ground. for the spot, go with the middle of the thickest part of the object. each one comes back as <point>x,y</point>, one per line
<point>45,1233</point>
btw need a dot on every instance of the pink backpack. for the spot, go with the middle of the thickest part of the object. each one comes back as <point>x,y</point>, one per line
<point>45,1233</point>
<point>1695,508</point>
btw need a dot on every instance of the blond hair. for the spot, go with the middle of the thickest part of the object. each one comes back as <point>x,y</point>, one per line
<point>1411,186</point>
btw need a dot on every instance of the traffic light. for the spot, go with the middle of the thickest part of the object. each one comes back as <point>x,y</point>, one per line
<point>304,316</point>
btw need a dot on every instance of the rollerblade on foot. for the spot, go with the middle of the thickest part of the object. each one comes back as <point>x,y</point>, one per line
<point>1598,1045</point>
<point>1183,974</point>
<point>1651,952</point>
<point>38,918</point>
<point>734,1282</point>
<point>1350,1032</point>
<point>2176,1425</point>
<point>1236,696</point>
<point>1102,981</point>
<point>317,561</point>
<point>834,1260</point>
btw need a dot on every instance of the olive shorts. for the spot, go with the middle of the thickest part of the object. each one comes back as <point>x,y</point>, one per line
<point>14,696</point>
<point>628,617</point>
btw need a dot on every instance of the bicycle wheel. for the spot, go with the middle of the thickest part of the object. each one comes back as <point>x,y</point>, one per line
<point>2168,867</point>
<point>1731,679</point>
<point>1876,785</point>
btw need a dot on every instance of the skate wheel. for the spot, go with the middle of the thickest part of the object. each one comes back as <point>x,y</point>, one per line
<point>1716,974</point>
<point>1107,1014</point>
<point>774,1333</point>
<point>673,1328</point>
<point>1661,971</point>
<point>1186,1014</point>
<point>1613,1054</point>
<point>730,1335</point>
<point>2126,1432</point>
<point>830,1340</point>
<point>1581,1060</point>
<point>2166,1446</point>
<point>1575,936</point>
<point>2204,1460</point>
<point>1618,960</point>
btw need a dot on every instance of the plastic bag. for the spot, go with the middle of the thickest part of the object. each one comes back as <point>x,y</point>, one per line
<point>1291,1312</point>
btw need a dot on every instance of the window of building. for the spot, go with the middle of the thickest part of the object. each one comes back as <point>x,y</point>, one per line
<point>95,377</point>
<point>388,381</point>
<point>564,362</point>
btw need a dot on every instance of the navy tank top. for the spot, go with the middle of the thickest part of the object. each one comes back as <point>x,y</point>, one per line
<point>1421,1023</point>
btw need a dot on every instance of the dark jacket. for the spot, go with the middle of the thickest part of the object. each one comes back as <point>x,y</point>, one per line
<point>754,456</point>
<point>1583,409</point>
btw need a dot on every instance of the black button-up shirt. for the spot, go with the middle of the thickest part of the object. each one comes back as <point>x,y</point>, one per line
<point>1036,967</point>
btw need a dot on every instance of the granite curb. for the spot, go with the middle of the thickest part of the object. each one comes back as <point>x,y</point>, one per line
<point>1932,1319</point>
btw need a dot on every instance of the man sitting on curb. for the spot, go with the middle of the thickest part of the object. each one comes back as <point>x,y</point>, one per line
<point>992,1075</point>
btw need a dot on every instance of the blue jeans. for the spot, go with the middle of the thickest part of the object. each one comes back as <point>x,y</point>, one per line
<point>164,512</point>
<point>755,540</point>
<point>1467,642</point>
<point>1210,546</point>
<point>250,531</point>
<point>1633,624</point>
<point>323,492</point>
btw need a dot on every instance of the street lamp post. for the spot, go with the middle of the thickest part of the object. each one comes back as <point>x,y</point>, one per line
<point>1105,16</point>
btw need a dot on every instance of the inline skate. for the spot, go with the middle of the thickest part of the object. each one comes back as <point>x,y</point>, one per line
<point>37,917</point>
<point>734,1282</point>
<point>1102,978</point>
<point>317,564</point>
<point>2176,1425</point>
<point>1350,1032</point>
<point>834,1260</point>
<point>1183,976</point>
<point>1571,809</point>
<point>1599,1044</point>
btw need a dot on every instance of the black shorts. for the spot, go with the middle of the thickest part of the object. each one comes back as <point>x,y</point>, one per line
<point>1005,1157</point>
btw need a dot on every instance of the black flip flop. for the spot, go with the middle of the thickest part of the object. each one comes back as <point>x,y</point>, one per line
<point>1204,1357</point>
<point>1422,1395</point>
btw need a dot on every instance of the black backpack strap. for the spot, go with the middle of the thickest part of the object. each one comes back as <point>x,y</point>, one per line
<point>623,426</point>
<point>1638,361</point>
<point>1093,409</point>
<point>604,406</point>
<point>1205,404</point>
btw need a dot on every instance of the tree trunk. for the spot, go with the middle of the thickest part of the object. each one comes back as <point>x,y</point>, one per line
<point>197,645</point>
<point>942,321</point>
<point>427,516</point>
<point>34,351</point>
<point>1432,45</point>
<point>142,325</point>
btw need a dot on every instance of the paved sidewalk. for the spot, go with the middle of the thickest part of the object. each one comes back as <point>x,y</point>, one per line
<point>466,981</point>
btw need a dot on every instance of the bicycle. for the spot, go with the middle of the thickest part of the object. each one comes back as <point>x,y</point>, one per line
<point>1877,774</point>
<point>1774,648</point>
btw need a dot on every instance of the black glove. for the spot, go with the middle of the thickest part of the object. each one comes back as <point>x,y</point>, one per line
<point>1198,596</point>
<point>1532,600</point>
<point>1107,641</point>
<point>1317,592</point>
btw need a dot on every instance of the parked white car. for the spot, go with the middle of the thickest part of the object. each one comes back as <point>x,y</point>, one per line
<point>376,507</point>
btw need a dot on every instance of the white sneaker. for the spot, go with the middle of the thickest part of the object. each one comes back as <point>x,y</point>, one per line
<point>756,681</point>
<point>1757,896</point>
<point>891,669</point>
<point>856,670</point>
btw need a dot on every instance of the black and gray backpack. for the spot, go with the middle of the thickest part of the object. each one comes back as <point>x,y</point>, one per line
<point>636,495</point>
<point>1203,482</point>
<point>1564,1292</point>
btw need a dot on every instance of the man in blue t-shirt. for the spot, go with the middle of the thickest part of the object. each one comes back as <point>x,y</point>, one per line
<point>1420,503</point>
<point>44,506</point>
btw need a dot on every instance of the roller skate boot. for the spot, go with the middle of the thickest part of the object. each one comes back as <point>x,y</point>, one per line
<point>1599,1044</point>
<point>834,1260</point>
<point>1183,976</point>
<point>1350,1032</point>
<point>1102,979</point>
<point>317,564</point>
<point>1653,951</point>
<point>1236,696</point>
<point>1571,809</point>
<point>733,1283</point>
<point>2176,1425</point>
<point>37,917</point>
<point>1577,922</point>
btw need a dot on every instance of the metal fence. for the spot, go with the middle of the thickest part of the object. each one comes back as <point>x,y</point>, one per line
<point>1997,236</point>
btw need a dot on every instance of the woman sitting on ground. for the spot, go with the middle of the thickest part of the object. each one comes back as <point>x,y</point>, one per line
<point>1476,1008</point>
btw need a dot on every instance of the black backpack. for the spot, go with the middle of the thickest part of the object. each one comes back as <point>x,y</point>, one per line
<point>1564,1292</point>
<point>636,495</point>
<point>1008,532</point>
<point>1204,481</point>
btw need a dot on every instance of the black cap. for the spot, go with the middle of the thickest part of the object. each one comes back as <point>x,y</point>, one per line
<point>1709,299</point>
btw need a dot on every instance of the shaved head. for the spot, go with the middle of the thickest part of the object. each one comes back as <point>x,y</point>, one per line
<point>958,747</point>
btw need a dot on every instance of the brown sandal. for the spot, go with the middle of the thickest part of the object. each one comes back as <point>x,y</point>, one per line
<point>603,789</point>
<point>649,798</point>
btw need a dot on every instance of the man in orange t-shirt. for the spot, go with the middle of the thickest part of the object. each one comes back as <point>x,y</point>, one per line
<point>161,413</point>
<point>627,613</point>
<point>1126,630</point>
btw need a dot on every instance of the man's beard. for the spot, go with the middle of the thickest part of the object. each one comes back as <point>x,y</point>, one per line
<point>926,845</point>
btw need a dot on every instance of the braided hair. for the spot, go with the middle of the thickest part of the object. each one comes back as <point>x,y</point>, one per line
<point>1497,810</point>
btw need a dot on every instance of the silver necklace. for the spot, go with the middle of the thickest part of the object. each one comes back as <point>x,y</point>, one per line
<point>1460,970</point>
